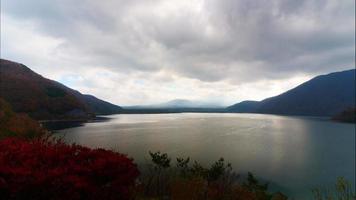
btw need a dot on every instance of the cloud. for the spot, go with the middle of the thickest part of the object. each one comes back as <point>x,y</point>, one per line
<point>185,43</point>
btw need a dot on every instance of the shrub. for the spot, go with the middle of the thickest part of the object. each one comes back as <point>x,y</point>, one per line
<point>348,115</point>
<point>156,182</point>
<point>186,180</point>
<point>342,190</point>
<point>253,185</point>
<point>50,169</point>
<point>19,125</point>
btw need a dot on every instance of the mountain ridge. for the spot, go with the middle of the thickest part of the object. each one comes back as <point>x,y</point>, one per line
<point>177,104</point>
<point>324,95</point>
<point>45,99</point>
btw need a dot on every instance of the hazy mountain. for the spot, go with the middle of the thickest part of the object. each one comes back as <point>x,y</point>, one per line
<point>183,103</point>
<point>324,95</point>
<point>41,98</point>
<point>178,103</point>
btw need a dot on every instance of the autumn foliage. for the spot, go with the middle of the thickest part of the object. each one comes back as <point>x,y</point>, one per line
<point>49,169</point>
<point>41,98</point>
<point>19,125</point>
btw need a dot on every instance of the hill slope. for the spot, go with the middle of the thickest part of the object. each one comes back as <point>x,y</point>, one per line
<point>101,107</point>
<point>244,107</point>
<point>44,99</point>
<point>324,95</point>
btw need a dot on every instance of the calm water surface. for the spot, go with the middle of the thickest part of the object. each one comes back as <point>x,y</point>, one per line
<point>294,154</point>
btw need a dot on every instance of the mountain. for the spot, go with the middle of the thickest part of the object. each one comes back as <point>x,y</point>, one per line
<point>178,103</point>
<point>101,107</point>
<point>244,107</point>
<point>44,99</point>
<point>175,106</point>
<point>324,95</point>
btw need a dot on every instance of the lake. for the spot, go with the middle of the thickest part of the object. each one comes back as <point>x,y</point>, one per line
<point>295,154</point>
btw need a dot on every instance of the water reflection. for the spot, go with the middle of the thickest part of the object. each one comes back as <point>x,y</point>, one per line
<point>294,152</point>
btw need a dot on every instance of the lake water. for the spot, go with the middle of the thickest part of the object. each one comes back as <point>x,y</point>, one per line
<point>294,154</point>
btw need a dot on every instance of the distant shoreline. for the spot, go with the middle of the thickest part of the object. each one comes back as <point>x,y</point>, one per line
<point>97,118</point>
<point>59,124</point>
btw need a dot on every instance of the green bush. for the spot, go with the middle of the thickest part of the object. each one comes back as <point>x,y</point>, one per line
<point>191,180</point>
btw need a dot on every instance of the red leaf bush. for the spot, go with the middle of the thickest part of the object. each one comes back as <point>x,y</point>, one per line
<point>47,169</point>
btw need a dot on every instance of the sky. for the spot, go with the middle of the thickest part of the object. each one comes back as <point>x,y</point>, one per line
<point>138,52</point>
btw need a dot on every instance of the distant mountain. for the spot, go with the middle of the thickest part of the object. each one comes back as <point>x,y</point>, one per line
<point>324,95</point>
<point>44,99</point>
<point>175,106</point>
<point>178,104</point>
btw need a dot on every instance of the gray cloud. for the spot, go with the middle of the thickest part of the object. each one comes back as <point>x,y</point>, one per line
<point>201,38</point>
<point>213,40</point>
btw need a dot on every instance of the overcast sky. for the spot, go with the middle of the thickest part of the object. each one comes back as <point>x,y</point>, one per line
<point>148,51</point>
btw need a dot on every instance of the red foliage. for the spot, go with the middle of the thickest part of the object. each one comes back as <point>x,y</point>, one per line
<point>44,169</point>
